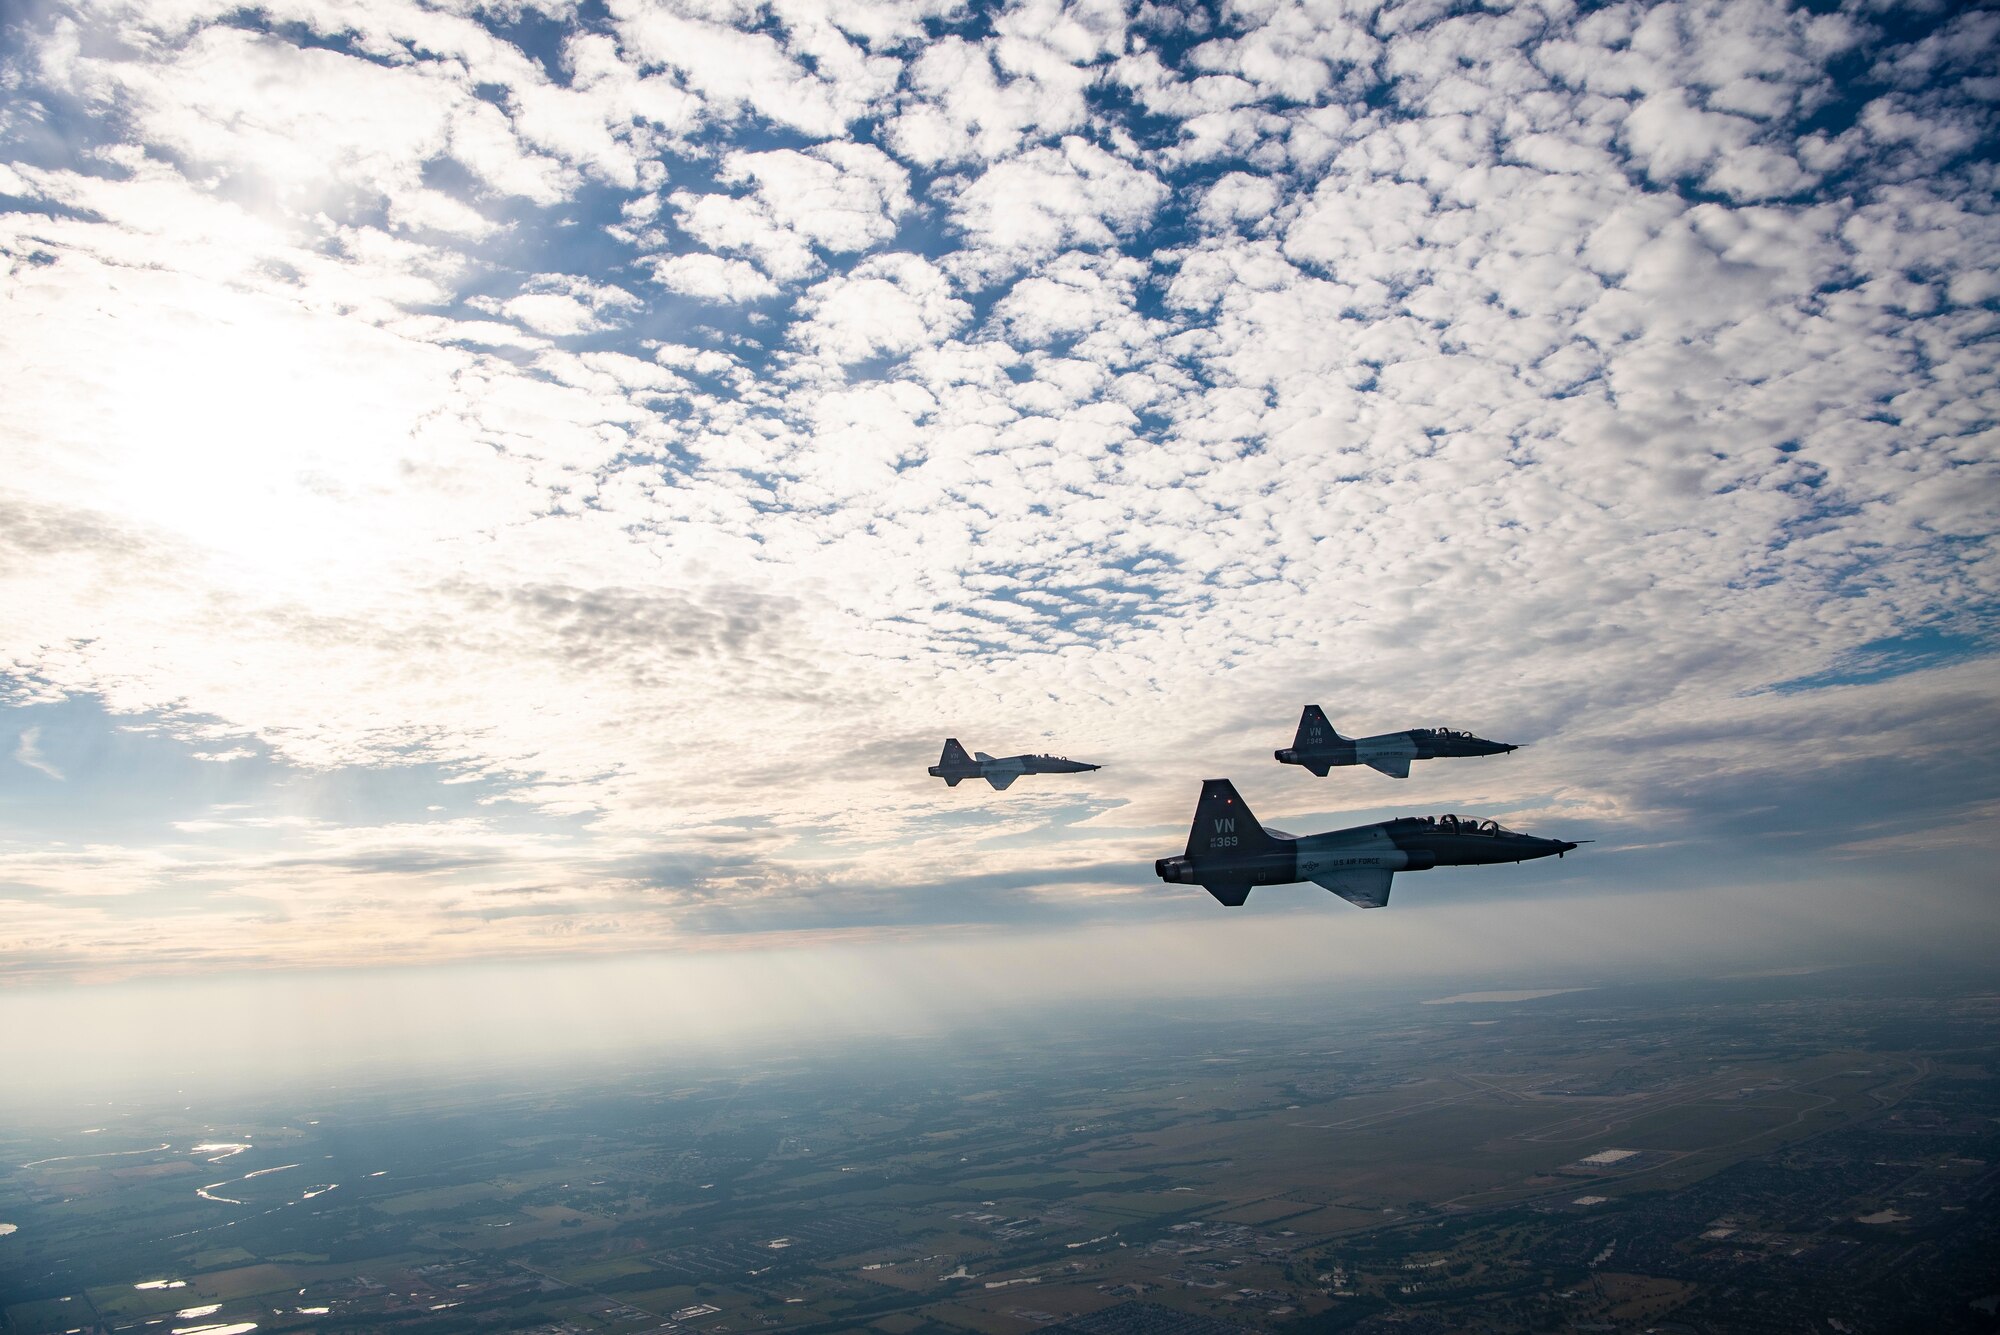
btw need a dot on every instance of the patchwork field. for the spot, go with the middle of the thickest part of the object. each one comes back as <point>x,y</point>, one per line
<point>1503,1153</point>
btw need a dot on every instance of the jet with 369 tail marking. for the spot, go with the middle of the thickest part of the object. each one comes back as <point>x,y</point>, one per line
<point>1318,747</point>
<point>1229,853</point>
<point>954,765</point>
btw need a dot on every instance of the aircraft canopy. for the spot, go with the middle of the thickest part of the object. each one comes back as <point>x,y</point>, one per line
<point>1465,824</point>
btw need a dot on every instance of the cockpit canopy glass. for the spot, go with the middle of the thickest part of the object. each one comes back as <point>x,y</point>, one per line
<point>1468,824</point>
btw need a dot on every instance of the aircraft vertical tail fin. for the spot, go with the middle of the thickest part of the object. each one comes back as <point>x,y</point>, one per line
<point>1223,823</point>
<point>954,755</point>
<point>1314,731</point>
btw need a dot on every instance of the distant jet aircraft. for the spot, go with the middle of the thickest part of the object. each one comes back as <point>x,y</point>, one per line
<point>954,765</point>
<point>1228,852</point>
<point>1318,747</point>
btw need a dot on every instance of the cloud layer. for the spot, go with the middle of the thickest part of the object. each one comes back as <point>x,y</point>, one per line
<point>672,424</point>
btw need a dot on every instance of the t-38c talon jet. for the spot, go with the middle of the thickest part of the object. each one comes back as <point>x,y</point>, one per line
<point>1228,852</point>
<point>954,765</point>
<point>1318,747</point>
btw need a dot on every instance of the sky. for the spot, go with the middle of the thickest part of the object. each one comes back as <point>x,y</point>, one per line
<point>539,481</point>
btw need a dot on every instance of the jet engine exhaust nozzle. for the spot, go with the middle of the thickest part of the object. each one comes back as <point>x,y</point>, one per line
<point>1287,756</point>
<point>1178,870</point>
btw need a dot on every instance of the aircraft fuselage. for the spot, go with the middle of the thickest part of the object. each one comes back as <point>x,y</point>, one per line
<point>1319,747</point>
<point>1408,843</point>
<point>1229,852</point>
<point>955,766</point>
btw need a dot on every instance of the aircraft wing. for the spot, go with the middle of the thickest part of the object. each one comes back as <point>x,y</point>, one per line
<point>1001,781</point>
<point>1396,767</point>
<point>1230,893</point>
<point>1364,887</point>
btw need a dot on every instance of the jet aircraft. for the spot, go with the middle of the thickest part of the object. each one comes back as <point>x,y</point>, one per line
<point>1318,747</point>
<point>954,765</point>
<point>1228,852</point>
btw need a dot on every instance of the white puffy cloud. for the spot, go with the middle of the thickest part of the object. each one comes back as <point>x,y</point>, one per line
<point>1052,198</point>
<point>967,103</point>
<point>810,77</point>
<point>1087,296</point>
<point>1240,198</point>
<point>1289,52</point>
<point>561,305</point>
<point>1672,140</point>
<point>710,277</point>
<point>886,306</point>
<point>309,122</point>
<point>838,197</point>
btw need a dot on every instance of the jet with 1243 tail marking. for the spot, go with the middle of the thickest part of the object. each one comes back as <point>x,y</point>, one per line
<point>955,765</point>
<point>1318,747</point>
<point>1229,853</point>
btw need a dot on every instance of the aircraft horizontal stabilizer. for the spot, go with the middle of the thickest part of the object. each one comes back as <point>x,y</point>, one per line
<point>1001,781</point>
<point>950,782</point>
<point>982,757</point>
<point>1396,767</point>
<point>1364,887</point>
<point>1231,893</point>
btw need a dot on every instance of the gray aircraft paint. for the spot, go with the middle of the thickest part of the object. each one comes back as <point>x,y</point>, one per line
<point>1229,853</point>
<point>1318,747</point>
<point>955,766</point>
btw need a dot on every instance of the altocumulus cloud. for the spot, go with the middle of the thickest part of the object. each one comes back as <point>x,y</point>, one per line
<point>664,425</point>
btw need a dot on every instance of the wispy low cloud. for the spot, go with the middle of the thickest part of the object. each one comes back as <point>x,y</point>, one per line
<point>28,751</point>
